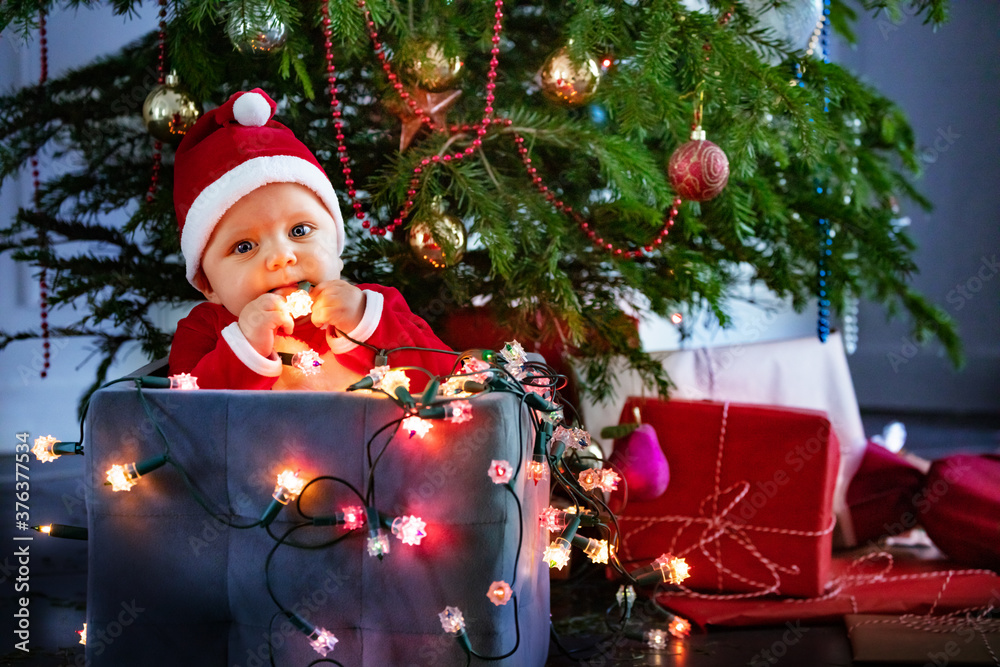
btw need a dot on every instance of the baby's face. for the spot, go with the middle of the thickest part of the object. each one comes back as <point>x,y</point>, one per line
<point>270,240</point>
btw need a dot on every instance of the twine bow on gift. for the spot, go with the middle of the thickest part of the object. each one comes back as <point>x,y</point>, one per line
<point>715,522</point>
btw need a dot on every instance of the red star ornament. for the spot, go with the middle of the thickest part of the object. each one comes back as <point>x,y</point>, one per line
<point>435,105</point>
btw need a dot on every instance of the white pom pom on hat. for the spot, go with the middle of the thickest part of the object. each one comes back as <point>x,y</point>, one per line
<point>251,110</point>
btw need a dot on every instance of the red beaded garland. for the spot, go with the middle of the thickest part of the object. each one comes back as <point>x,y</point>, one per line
<point>335,112</point>
<point>43,284</point>
<point>598,241</point>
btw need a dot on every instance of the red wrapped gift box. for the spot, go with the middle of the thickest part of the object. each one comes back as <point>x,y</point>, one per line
<point>749,504</point>
<point>879,581</point>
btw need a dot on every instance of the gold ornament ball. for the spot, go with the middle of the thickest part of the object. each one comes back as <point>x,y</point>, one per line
<point>426,65</point>
<point>569,82</point>
<point>438,239</point>
<point>169,111</point>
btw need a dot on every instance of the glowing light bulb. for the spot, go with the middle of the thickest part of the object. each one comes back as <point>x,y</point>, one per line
<point>354,517</point>
<point>475,369</point>
<point>378,543</point>
<point>552,519</point>
<point>307,361</point>
<point>184,381</point>
<point>679,627</point>
<point>416,426</point>
<point>83,634</point>
<point>499,593</point>
<point>657,639</point>
<point>590,479</point>
<point>322,640</point>
<point>288,487</point>
<point>459,412</point>
<point>597,550</point>
<point>45,529</point>
<point>674,570</point>
<point>43,449</point>
<point>676,318</point>
<point>513,352</point>
<point>391,380</point>
<point>454,386</point>
<point>574,438</point>
<point>609,480</point>
<point>119,478</point>
<point>557,553</point>
<point>538,471</point>
<point>452,621</point>
<point>625,595</point>
<point>500,472</point>
<point>124,477</point>
<point>299,303</point>
<point>552,416</point>
<point>409,529</point>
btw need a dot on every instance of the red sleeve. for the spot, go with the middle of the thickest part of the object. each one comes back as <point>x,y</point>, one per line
<point>198,348</point>
<point>399,327</point>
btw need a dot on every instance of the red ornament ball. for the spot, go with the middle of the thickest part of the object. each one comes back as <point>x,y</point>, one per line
<point>698,170</point>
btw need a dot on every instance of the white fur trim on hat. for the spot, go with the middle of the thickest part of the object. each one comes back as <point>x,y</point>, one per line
<point>251,110</point>
<point>213,202</point>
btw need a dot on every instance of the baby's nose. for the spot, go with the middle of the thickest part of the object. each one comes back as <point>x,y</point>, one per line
<point>282,254</point>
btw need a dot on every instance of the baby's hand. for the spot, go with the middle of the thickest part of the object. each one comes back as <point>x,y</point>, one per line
<point>337,303</point>
<point>262,318</point>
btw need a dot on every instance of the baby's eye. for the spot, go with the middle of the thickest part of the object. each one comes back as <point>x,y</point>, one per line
<point>243,247</point>
<point>299,230</point>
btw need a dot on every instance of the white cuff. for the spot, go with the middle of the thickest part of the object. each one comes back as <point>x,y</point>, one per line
<point>366,327</point>
<point>251,358</point>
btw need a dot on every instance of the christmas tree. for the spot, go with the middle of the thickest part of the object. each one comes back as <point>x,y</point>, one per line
<point>521,162</point>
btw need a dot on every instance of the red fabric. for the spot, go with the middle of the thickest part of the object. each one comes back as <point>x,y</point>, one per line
<point>960,508</point>
<point>882,493</point>
<point>217,143</point>
<point>199,349</point>
<point>880,585</point>
<point>783,461</point>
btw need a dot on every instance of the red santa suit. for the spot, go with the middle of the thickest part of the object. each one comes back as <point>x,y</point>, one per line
<point>210,346</point>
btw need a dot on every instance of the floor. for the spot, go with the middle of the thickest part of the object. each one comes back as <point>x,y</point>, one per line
<point>58,579</point>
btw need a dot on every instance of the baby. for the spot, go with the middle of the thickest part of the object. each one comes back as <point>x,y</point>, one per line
<point>258,216</point>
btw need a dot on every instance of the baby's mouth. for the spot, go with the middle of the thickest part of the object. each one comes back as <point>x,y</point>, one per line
<point>285,290</point>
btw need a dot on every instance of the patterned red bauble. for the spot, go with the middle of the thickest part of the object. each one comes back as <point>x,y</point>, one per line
<point>699,169</point>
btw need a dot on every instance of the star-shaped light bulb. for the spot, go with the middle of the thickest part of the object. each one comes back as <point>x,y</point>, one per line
<point>83,634</point>
<point>354,517</point>
<point>409,529</point>
<point>452,620</point>
<point>459,412</point>
<point>657,639</point>
<point>299,303</point>
<point>120,478</point>
<point>557,554</point>
<point>673,569</point>
<point>597,550</point>
<point>538,471</point>
<point>183,381</point>
<point>43,449</point>
<point>307,361</point>
<point>391,380</point>
<point>500,472</point>
<point>416,426</point>
<point>322,641</point>
<point>499,593</point>
<point>288,487</point>
<point>679,627</point>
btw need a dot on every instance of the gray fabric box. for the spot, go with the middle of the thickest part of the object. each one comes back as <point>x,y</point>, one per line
<point>170,585</point>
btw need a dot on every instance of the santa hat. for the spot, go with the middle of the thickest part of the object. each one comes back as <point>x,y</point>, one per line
<point>230,152</point>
